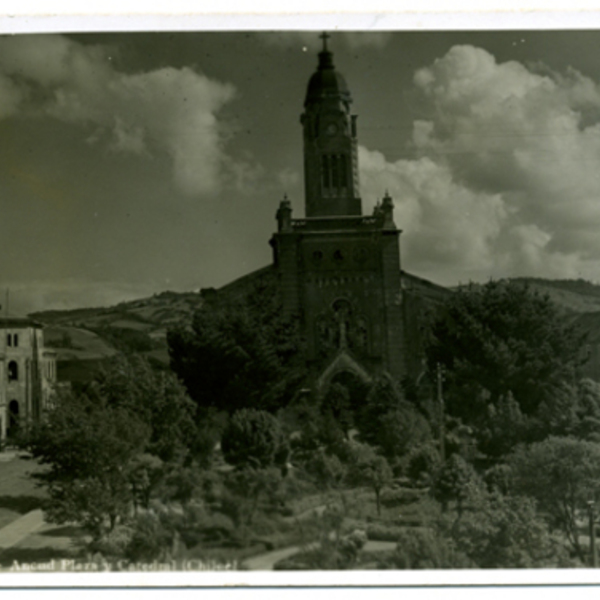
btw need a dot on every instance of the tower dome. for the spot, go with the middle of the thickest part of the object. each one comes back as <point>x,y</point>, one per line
<point>327,84</point>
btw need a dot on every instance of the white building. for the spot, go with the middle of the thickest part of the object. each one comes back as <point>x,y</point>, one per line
<point>27,373</point>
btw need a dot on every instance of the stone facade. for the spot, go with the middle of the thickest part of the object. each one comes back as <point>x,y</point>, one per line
<point>342,276</point>
<point>27,373</point>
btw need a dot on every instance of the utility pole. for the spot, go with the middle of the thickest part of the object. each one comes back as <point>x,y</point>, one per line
<point>440,398</point>
<point>593,557</point>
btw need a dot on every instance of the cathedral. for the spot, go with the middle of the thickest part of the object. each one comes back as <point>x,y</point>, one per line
<point>339,269</point>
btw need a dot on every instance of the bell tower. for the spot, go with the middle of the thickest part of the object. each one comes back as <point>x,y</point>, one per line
<point>330,154</point>
<point>339,271</point>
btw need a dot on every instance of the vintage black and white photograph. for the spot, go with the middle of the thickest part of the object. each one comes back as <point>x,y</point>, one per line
<point>299,301</point>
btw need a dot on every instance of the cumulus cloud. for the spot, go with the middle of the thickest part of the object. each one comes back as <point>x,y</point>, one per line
<point>288,179</point>
<point>506,180</point>
<point>168,110</point>
<point>435,211</point>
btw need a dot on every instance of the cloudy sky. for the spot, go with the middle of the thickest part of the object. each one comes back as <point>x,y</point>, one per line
<point>136,163</point>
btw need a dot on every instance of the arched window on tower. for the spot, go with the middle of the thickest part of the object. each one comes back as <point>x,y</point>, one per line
<point>8,339</point>
<point>13,371</point>
<point>16,340</point>
<point>325,171</point>
<point>334,172</point>
<point>343,172</point>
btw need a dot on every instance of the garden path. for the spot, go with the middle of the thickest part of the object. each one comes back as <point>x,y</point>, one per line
<point>266,562</point>
<point>21,528</point>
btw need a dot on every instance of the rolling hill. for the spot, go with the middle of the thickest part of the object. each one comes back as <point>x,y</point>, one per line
<point>84,337</point>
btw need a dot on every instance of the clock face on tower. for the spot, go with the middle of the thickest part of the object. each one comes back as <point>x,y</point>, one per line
<point>331,129</point>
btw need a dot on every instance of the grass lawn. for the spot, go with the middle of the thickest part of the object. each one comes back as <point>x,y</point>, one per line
<point>18,492</point>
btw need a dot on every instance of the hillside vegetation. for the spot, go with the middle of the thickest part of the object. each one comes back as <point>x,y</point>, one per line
<point>573,295</point>
<point>86,336</point>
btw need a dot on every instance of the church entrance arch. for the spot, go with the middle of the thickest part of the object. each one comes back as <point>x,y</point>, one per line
<point>13,418</point>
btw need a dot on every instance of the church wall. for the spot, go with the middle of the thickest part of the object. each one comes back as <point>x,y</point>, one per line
<point>342,268</point>
<point>390,267</point>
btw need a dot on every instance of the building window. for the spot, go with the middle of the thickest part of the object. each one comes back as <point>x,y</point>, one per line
<point>343,172</point>
<point>16,340</point>
<point>334,170</point>
<point>9,340</point>
<point>325,170</point>
<point>13,371</point>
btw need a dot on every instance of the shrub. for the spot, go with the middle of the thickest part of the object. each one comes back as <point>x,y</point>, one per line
<point>384,533</point>
<point>200,526</point>
<point>150,539</point>
<point>113,544</point>
<point>425,549</point>
<point>452,481</point>
<point>370,469</point>
<point>327,470</point>
<point>342,553</point>
<point>499,478</point>
<point>251,438</point>
<point>423,463</point>
<point>390,498</point>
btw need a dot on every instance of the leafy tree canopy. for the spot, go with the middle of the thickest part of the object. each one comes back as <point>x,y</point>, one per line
<point>87,447</point>
<point>562,474</point>
<point>240,352</point>
<point>370,469</point>
<point>252,438</point>
<point>156,397</point>
<point>499,339</point>
<point>498,531</point>
<point>105,447</point>
<point>387,421</point>
<point>453,481</point>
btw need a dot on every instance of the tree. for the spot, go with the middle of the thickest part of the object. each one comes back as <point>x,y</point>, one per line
<point>240,352</point>
<point>108,448</point>
<point>245,488</point>
<point>498,531</point>
<point>574,409</point>
<point>88,447</point>
<point>423,463</point>
<point>503,427</point>
<point>497,340</point>
<point>146,472</point>
<point>452,482</point>
<point>562,474</point>
<point>252,438</point>
<point>157,397</point>
<point>387,421</point>
<point>370,469</point>
<point>327,470</point>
